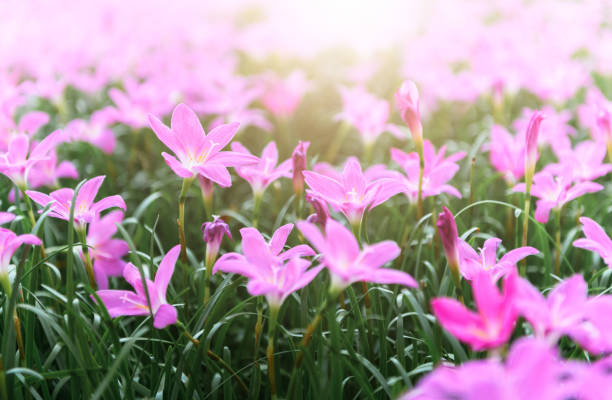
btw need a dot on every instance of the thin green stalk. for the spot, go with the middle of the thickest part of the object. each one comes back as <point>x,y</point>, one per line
<point>270,350</point>
<point>181,220</point>
<point>87,258</point>
<point>208,264</point>
<point>257,197</point>
<point>420,188</point>
<point>332,151</point>
<point>557,241</point>
<point>3,391</point>
<point>523,268</point>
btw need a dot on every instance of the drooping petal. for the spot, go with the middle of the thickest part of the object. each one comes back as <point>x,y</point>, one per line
<point>216,173</point>
<point>165,315</point>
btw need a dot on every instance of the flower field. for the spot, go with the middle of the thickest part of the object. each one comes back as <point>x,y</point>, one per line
<point>306,200</point>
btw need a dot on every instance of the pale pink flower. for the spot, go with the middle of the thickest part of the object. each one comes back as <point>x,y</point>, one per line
<point>347,263</point>
<point>9,243</point>
<point>125,302</point>
<point>282,95</point>
<point>408,101</point>
<point>584,161</point>
<point>47,172</point>
<point>6,217</point>
<point>96,131</point>
<point>507,153</point>
<point>266,170</point>
<point>554,129</point>
<point>197,152</point>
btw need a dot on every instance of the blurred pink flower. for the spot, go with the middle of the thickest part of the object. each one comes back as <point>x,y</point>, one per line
<point>21,156</point>
<point>585,161</point>
<point>366,113</point>
<point>96,131</point>
<point>554,191</point>
<point>407,98</point>
<point>125,302</point>
<point>105,251</point>
<point>47,172</point>
<point>266,171</point>
<point>531,142</point>
<point>595,240</point>
<point>29,124</point>
<point>438,171</point>
<point>197,152</point>
<point>138,101</point>
<point>9,242</point>
<point>354,193</point>
<point>492,325</point>
<point>282,95</point>
<point>299,164</point>
<point>507,153</point>
<point>6,217</point>
<point>347,263</point>
<point>85,209</point>
<point>553,130</point>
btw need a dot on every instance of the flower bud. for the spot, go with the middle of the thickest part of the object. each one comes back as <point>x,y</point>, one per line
<point>321,211</point>
<point>299,164</point>
<point>448,234</point>
<point>531,145</point>
<point>213,235</point>
<point>604,123</point>
<point>407,98</point>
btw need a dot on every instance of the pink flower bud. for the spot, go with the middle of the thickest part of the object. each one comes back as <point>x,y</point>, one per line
<point>604,123</point>
<point>532,140</point>
<point>213,235</point>
<point>448,234</point>
<point>321,210</point>
<point>407,98</point>
<point>299,164</point>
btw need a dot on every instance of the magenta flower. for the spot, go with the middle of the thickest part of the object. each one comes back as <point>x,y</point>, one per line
<point>367,113</point>
<point>197,152</point>
<point>17,162</point>
<point>282,96</point>
<point>493,323</point>
<point>264,264</point>
<point>347,263</point>
<point>105,251</point>
<point>471,263</point>
<point>554,192</point>
<point>407,98</point>
<point>595,240</point>
<point>438,171</point>
<point>354,193</point>
<point>85,209</point>
<point>321,214</point>
<point>558,313</point>
<point>9,243</point>
<point>125,302</point>
<point>507,153</point>
<point>266,171</point>
<point>212,233</point>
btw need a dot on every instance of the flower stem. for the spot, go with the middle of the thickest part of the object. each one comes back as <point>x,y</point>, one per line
<point>557,241</point>
<point>87,259</point>
<point>3,391</point>
<point>215,357</point>
<point>208,263</point>
<point>332,150</point>
<point>270,350</point>
<point>256,208</point>
<point>420,187</point>
<point>6,285</point>
<point>181,220</point>
<point>523,268</point>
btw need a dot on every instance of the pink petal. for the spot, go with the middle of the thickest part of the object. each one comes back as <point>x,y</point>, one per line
<point>223,134</point>
<point>165,135</point>
<point>165,271</point>
<point>108,202</point>
<point>233,159</point>
<point>165,315</point>
<point>389,276</point>
<point>88,192</point>
<point>324,186</point>
<point>176,166</point>
<point>280,238</point>
<point>313,234</point>
<point>187,127</point>
<point>216,173</point>
<point>122,302</point>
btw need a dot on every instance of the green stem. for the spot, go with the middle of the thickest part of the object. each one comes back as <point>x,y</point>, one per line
<point>181,220</point>
<point>557,241</point>
<point>523,268</point>
<point>270,350</point>
<point>87,261</point>
<point>208,264</point>
<point>420,188</point>
<point>257,197</point>
<point>3,391</point>
<point>337,142</point>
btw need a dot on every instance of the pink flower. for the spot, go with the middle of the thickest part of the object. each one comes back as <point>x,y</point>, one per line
<point>367,113</point>
<point>585,162</point>
<point>595,240</point>
<point>96,131</point>
<point>282,96</point>
<point>197,152</point>
<point>347,263</point>
<point>266,171</point>
<point>105,251</point>
<point>125,302</point>
<point>47,172</point>
<point>212,234</point>
<point>554,192</point>
<point>507,153</point>
<point>6,217</point>
<point>9,242</point>
<point>493,323</point>
<point>438,171</point>
<point>559,312</point>
<point>29,124</point>
<point>407,98</point>
<point>138,100</point>
<point>264,264</point>
<point>17,162</point>
<point>85,209</point>
<point>354,193</point>
<point>554,128</point>
<point>471,263</point>
<point>447,227</point>
<point>321,214</point>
